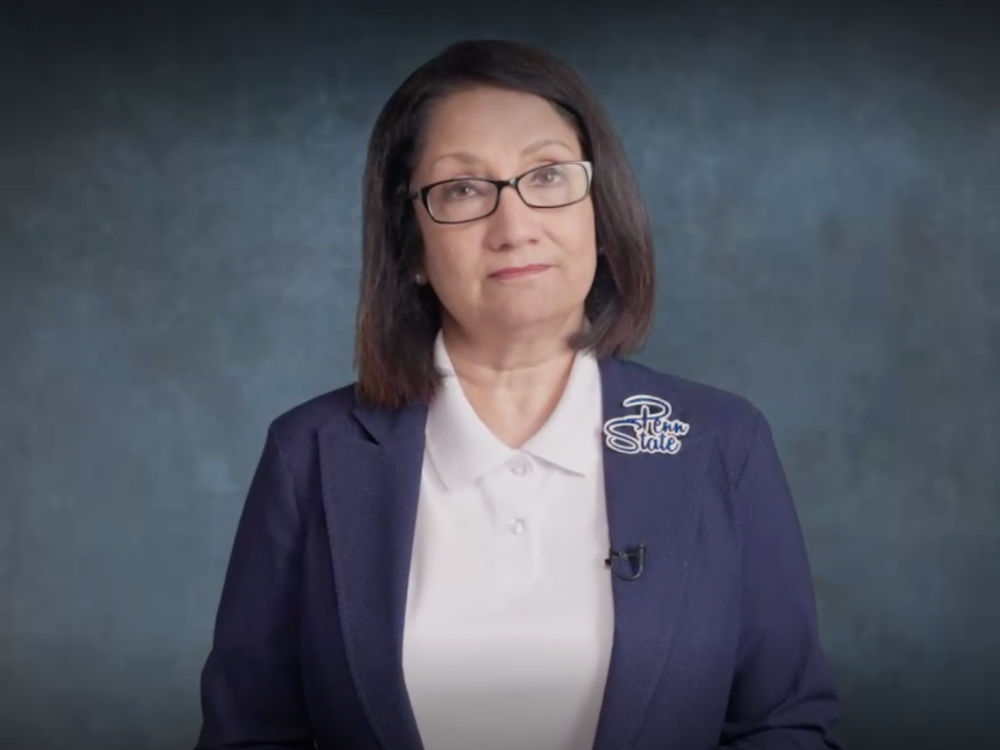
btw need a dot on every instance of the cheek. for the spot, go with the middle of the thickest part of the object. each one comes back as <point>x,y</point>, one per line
<point>435,246</point>
<point>586,272</point>
<point>580,239</point>
<point>449,264</point>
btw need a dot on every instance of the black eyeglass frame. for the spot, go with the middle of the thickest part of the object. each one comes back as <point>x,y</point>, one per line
<point>513,182</point>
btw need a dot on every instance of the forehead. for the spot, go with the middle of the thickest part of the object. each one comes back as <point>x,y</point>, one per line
<point>486,121</point>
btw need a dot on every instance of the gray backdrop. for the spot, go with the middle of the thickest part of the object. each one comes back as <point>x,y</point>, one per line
<point>179,254</point>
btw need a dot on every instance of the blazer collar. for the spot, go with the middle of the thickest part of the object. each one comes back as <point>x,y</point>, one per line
<point>370,491</point>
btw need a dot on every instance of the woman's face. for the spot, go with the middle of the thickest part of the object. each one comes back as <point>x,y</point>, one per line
<point>521,267</point>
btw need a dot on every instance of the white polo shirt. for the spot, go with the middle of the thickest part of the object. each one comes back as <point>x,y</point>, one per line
<point>509,616</point>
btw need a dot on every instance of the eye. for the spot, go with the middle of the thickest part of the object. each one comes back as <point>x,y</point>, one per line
<point>552,175</point>
<point>454,191</point>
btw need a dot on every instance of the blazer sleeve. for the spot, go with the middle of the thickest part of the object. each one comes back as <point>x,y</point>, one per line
<point>251,686</point>
<point>783,695</point>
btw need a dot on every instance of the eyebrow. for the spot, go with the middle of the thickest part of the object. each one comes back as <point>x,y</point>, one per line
<point>469,158</point>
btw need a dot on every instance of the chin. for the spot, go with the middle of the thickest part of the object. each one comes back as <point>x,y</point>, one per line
<point>528,317</point>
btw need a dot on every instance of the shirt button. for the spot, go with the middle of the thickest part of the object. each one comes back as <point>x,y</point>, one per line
<point>517,526</point>
<point>520,468</point>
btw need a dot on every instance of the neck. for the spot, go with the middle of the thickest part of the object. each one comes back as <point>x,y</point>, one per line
<point>513,382</point>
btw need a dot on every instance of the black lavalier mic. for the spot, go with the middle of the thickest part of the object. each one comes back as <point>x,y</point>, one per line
<point>634,556</point>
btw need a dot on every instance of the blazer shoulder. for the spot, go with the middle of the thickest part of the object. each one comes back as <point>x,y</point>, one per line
<point>716,408</point>
<point>731,418</point>
<point>299,424</point>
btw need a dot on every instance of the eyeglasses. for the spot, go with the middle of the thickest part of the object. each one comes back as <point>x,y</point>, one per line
<point>469,198</point>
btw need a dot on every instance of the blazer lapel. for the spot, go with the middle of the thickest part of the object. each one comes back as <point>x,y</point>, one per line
<point>370,491</point>
<point>649,500</point>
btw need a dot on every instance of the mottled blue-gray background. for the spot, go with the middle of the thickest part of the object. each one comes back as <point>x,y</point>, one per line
<point>179,255</point>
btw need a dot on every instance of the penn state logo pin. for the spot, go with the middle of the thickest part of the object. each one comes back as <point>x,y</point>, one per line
<point>652,430</point>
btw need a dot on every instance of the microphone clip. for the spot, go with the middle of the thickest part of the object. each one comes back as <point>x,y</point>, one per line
<point>634,556</point>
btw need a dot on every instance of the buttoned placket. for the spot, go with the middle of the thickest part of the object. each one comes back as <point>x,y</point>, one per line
<point>513,489</point>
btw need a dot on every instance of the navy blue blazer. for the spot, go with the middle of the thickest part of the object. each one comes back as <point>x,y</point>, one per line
<point>715,643</point>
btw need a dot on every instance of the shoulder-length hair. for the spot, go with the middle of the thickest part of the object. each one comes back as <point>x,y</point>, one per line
<point>397,320</point>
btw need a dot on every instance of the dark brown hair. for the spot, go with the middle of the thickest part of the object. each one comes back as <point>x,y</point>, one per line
<point>397,320</point>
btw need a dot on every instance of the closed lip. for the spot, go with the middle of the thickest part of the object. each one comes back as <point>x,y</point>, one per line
<point>513,271</point>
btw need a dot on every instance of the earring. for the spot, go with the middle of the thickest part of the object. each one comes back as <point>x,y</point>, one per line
<point>419,279</point>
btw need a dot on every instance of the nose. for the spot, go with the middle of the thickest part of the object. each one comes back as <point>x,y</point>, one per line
<point>513,224</point>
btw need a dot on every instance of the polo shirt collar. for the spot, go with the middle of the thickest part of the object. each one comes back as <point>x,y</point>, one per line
<point>463,449</point>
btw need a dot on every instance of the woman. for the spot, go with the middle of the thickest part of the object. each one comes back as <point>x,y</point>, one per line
<point>505,535</point>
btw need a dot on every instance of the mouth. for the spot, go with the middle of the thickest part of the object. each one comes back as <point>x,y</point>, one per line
<point>517,272</point>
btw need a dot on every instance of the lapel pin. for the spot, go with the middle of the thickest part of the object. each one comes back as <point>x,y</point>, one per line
<point>650,431</point>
